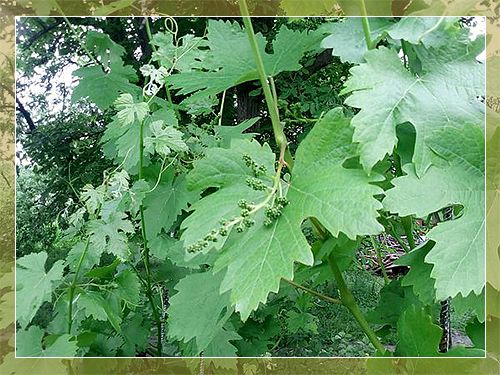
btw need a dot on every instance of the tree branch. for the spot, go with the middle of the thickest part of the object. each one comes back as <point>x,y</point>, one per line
<point>26,115</point>
<point>40,33</point>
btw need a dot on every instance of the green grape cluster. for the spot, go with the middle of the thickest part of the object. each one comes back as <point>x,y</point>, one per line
<point>256,183</point>
<point>257,169</point>
<point>202,244</point>
<point>275,210</point>
<point>247,222</point>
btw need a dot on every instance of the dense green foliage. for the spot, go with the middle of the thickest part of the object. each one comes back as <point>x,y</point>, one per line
<point>206,188</point>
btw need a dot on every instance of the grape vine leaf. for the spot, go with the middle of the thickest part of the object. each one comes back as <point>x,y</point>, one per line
<point>129,111</point>
<point>164,140</point>
<point>419,276</point>
<point>472,302</point>
<point>101,307</point>
<point>212,309</point>
<point>458,266</point>
<point>221,346</point>
<point>75,254</point>
<point>388,95</point>
<point>394,300</point>
<point>430,31</point>
<point>257,259</point>
<point>166,201</point>
<point>92,304</point>
<point>136,332</point>
<point>231,60</point>
<point>110,235</point>
<point>29,344</point>
<point>128,287</point>
<point>347,39</point>
<point>418,336</point>
<point>103,88</point>
<point>301,322</point>
<point>34,286</point>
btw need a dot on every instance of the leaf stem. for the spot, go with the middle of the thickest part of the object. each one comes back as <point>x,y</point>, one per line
<point>379,258</point>
<point>145,257</point>
<point>73,285</point>
<point>313,292</point>
<point>408,228</point>
<point>279,134</point>
<point>348,300</point>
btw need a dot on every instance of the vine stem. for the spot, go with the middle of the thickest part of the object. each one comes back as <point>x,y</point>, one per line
<point>348,301</point>
<point>347,298</point>
<point>366,25</point>
<point>145,257</point>
<point>313,292</point>
<point>279,135</point>
<point>73,285</point>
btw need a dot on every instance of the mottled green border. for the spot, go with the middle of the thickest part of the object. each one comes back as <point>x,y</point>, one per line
<point>489,365</point>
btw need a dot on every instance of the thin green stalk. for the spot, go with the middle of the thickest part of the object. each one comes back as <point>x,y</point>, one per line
<point>366,26</point>
<point>380,262</point>
<point>279,134</point>
<point>348,300</point>
<point>73,285</point>
<point>408,228</point>
<point>313,292</point>
<point>145,257</point>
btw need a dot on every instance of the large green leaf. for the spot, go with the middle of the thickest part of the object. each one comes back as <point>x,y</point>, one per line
<point>341,199</point>
<point>110,235</point>
<point>103,88</point>
<point>230,60</point>
<point>388,95</point>
<point>206,320</point>
<point>347,39</point>
<point>34,286</point>
<point>29,344</point>
<point>458,256</point>
<point>430,31</point>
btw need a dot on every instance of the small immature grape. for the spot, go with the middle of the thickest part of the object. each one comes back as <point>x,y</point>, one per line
<point>248,222</point>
